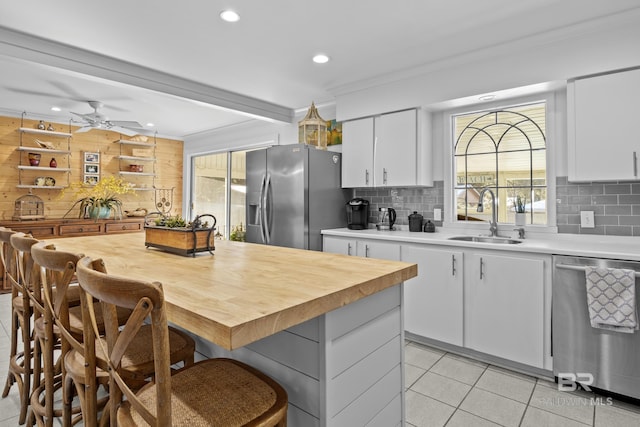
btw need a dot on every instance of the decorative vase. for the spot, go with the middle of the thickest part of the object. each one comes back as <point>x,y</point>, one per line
<point>521,219</point>
<point>41,125</point>
<point>53,163</point>
<point>102,212</point>
<point>34,159</point>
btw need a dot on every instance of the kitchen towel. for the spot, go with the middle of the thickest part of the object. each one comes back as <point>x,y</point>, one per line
<point>611,297</point>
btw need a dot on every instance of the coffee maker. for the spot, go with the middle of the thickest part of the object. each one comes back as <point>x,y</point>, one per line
<point>357,214</point>
<point>386,218</point>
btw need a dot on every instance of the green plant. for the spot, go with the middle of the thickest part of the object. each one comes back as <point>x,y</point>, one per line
<point>237,234</point>
<point>518,204</point>
<point>177,221</point>
<point>105,194</point>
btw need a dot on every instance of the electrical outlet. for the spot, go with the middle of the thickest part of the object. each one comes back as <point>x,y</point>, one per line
<point>437,214</point>
<point>586,219</point>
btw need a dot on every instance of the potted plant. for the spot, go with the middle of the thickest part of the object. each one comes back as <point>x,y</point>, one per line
<point>175,234</point>
<point>100,200</point>
<point>519,207</point>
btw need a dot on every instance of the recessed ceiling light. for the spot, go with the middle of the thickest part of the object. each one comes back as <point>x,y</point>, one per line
<point>56,109</point>
<point>321,58</point>
<point>229,16</point>
<point>150,125</point>
<point>487,98</point>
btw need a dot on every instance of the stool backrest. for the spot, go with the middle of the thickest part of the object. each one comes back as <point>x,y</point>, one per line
<point>144,299</point>
<point>28,272</point>
<point>57,270</point>
<point>8,256</point>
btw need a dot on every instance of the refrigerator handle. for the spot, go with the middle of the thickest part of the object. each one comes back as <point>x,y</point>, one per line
<point>261,208</point>
<point>265,213</point>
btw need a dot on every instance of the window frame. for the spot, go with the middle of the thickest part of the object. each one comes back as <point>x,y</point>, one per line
<point>551,133</point>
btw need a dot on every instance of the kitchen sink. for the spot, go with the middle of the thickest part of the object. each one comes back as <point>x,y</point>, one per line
<point>486,239</point>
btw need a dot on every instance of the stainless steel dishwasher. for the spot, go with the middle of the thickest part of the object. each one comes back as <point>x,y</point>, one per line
<point>613,358</point>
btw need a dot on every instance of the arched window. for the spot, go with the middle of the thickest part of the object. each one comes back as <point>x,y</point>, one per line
<point>504,150</point>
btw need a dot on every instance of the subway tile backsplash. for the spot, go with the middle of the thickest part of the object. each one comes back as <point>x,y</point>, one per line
<point>616,205</point>
<point>405,201</point>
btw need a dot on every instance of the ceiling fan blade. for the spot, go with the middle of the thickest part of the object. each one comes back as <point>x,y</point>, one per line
<point>32,92</point>
<point>126,123</point>
<point>83,129</point>
<point>84,116</point>
<point>123,130</point>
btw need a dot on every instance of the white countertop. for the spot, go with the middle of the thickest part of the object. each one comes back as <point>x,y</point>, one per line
<point>611,247</point>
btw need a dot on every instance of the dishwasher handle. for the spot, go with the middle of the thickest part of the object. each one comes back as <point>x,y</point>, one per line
<point>578,268</point>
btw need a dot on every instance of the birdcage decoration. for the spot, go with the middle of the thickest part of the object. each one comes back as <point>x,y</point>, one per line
<point>28,207</point>
<point>312,130</point>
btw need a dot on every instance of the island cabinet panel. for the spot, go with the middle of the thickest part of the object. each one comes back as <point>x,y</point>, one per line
<point>364,353</point>
<point>343,368</point>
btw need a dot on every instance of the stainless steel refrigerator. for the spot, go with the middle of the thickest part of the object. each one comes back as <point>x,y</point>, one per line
<point>293,192</point>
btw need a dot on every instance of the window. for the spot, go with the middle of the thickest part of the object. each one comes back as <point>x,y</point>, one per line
<point>504,150</point>
<point>219,189</point>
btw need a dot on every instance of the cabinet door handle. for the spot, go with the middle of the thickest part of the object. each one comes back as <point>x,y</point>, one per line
<point>453,265</point>
<point>348,248</point>
<point>635,164</point>
<point>366,251</point>
<point>481,269</point>
<point>384,176</point>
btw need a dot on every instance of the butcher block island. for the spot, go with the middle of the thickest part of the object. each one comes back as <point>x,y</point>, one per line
<point>328,327</point>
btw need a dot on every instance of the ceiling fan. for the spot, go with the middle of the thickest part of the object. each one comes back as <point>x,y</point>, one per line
<point>97,120</point>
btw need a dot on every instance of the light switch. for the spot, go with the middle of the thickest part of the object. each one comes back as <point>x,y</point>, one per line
<point>437,214</point>
<point>586,219</point>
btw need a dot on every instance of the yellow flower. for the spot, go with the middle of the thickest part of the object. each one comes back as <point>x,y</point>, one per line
<point>102,195</point>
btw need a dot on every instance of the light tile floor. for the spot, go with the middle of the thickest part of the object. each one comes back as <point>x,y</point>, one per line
<point>444,390</point>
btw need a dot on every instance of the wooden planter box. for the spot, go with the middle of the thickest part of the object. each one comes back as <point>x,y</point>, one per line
<point>183,241</point>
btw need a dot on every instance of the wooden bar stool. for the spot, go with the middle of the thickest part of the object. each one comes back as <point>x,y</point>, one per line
<point>81,361</point>
<point>220,392</point>
<point>21,311</point>
<point>47,374</point>
<point>42,412</point>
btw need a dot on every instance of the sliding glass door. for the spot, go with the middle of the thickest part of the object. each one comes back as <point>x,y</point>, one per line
<point>219,189</point>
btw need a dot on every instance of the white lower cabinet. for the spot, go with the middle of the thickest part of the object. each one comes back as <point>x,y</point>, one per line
<point>339,245</point>
<point>490,301</point>
<point>504,308</point>
<point>495,302</point>
<point>367,248</point>
<point>434,299</point>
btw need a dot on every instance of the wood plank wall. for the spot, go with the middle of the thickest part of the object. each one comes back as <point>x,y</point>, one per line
<point>169,154</point>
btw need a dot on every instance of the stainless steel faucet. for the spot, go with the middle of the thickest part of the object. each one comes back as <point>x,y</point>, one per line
<point>493,225</point>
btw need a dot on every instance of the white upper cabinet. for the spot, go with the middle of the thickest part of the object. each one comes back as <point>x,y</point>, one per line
<point>390,150</point>
<point>603,141</point>
<point>396,141</point>
<point>357,153</point>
